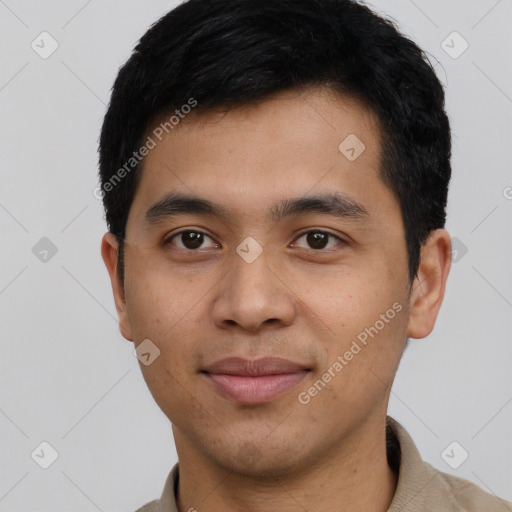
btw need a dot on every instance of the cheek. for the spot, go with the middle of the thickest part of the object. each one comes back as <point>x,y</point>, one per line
<point>166,310</point>
<point>349,297</point>
<point>170,390</point>
<point>367,320</point>
<point>158,300</point>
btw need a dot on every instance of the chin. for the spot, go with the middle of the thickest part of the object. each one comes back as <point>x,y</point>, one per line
<point>258,462</point>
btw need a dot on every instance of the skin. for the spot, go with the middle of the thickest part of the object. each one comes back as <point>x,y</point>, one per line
<point>294,301</point>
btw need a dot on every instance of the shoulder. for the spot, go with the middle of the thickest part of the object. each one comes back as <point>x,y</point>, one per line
<point>423,488</point>
<point>469,497</point>
<point>167,501</point>
<point>152,506</point>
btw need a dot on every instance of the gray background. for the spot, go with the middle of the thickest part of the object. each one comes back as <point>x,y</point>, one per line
<point>68,377</point>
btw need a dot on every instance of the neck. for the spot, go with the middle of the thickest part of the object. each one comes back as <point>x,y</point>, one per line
<point>355,477</point>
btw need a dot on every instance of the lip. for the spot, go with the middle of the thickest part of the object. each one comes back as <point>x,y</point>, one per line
<point>254,381</point>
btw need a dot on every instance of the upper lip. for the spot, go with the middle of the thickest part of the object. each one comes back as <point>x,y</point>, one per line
<point>254,367</point>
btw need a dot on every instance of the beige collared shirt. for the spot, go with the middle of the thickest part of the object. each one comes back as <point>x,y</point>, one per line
<point>420,488</point>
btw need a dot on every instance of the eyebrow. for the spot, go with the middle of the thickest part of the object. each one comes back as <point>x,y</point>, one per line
<point>335,204</point>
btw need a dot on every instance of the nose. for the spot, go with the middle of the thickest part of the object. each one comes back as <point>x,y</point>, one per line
<point>253,295</point>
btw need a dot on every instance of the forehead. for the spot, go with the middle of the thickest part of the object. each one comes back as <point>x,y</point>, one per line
<point>294,144</point>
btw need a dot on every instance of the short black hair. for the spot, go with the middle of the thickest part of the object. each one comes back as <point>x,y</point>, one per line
<point>223,54</point>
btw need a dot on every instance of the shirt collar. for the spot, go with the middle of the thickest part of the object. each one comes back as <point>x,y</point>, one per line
<point>417,480</point>
<point>415,477</point>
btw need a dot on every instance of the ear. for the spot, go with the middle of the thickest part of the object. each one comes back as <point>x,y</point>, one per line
<point>429,285</point>
<point>109,247</point>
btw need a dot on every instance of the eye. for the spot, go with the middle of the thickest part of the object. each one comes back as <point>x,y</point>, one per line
<point>318,240</point>
<point>189,240</point>
<point>192,240</point>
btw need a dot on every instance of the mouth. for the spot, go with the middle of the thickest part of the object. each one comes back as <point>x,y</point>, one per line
<point>254,381</point>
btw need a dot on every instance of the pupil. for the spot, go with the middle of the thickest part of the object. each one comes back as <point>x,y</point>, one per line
<point>317,240</point>
<point>192,240</point>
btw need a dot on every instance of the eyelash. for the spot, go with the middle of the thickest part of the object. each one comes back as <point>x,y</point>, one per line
<point>168,241</point>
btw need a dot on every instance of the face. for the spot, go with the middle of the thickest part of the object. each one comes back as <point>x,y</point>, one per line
<point>293,250</point>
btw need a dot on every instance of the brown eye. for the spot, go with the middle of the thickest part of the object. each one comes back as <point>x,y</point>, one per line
<point>318,240</point>
<point>189,240</point>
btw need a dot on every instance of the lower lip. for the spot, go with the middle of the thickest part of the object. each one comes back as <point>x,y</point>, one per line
<point>254,390</point>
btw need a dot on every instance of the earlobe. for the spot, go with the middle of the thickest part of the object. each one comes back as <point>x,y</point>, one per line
<point>109,247</point>
<point>429,286</point>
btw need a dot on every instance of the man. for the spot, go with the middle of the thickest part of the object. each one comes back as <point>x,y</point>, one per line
<point>275,177</point>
